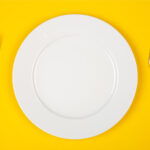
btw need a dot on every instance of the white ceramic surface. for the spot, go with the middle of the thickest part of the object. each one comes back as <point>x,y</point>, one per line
<point>75,76</point>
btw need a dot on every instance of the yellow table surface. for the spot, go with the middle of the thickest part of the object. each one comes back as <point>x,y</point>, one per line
<point>19,17</point>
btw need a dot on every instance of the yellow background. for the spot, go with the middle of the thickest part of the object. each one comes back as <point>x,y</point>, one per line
<point>19,18</point>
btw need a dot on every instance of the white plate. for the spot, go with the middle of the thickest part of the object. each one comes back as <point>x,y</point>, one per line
<point>75,76</point>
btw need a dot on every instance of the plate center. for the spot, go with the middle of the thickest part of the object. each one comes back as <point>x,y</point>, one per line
<point>74,77</point>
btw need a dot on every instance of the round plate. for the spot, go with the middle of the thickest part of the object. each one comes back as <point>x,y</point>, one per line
<point>75,76</point>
